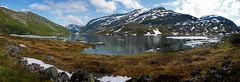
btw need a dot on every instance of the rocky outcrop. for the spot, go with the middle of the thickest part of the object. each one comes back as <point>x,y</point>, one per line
<point>222,74</point>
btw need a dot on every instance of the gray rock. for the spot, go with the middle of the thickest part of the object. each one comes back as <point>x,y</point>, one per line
<point>63,77</point>
<point>145,78</point>
<point>14,50</point>
<point>82,76</point>
<point>51,72</point>
<point>34,68</point>
<point>50,58</point>
<point>195,72</point>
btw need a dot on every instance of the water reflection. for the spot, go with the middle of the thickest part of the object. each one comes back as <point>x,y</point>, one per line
<point>117,45</point>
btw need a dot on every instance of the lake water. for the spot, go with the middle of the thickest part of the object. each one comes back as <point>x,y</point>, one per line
<point>126,45</point>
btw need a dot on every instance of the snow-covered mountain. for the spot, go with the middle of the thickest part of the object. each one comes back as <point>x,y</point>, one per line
<point>161,20</point>
<point>73,28</point>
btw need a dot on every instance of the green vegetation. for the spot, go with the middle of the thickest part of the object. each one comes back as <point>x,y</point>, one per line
<point>12,22</point>
<point>11,71</point>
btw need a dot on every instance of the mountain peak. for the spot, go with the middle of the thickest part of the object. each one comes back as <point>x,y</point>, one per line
<point>137,11</point>
<point>159,8</point>
<point>73,28</point>
<point>158,18</point>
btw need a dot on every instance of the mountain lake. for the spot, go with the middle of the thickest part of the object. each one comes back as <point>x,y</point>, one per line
<point>130,45</point>
<point>127,45</point>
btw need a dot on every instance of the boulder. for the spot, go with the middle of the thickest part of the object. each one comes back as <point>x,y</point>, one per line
<point>82,76</point>
<point>50,58</point>
<point>195,72</point>
<point>145,78</point>
<point>63,77</point>
<point>51,72</point>
<point>196,76</point>
<point>34,68</point>
<point>14,50</point>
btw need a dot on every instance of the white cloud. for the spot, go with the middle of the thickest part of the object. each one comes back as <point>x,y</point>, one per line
<point>109,6</point>
<point>130,4</point>
<point>4,6</point>
<point>63,10</point>
<point>237,21</point>
<point>71,19</point>
<point>38,6</point>
<point>104,5</point>
<point>70,6</point>
<point>198,8</point>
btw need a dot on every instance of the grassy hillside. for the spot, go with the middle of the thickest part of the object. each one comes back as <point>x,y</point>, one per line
<point>12,22</point>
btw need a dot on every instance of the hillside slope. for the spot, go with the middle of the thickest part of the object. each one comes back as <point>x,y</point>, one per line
<point>12,22</point>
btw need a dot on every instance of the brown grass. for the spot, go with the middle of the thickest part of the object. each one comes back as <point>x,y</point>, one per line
<point>69,57</point>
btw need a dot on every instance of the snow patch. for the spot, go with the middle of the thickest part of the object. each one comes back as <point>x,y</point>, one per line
<point>22,45</point>
<point>117,30</point>
<point>175,33</point>
<point>188,37</point>
<point>151,50</point>
<point>134,34</point>
<point>34,36</point>
<point>192,28</point>
<point>195,43</point>
<point>114,79</point>
<point>42,64</point>
<point>148,34</point>
<point>215,28</point>
<point>157,32</point>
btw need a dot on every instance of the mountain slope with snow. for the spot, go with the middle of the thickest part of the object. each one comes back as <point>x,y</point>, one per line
<point>73,28</point>
<point>165,21</point>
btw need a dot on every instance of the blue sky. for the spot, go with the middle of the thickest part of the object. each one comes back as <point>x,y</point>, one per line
<point>80,12</point>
